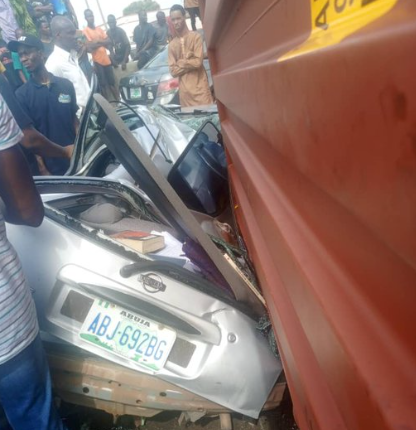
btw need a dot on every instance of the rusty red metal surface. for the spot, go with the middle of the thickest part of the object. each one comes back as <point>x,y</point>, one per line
<point>322,151</point>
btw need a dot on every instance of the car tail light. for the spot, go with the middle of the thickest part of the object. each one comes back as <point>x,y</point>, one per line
<point>167,86</point>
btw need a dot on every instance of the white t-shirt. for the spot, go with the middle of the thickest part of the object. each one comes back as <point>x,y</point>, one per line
<point>64,64</point>
<point>18,322</point>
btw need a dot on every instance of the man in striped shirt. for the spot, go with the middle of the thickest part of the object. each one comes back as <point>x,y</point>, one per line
<point>25,386</point>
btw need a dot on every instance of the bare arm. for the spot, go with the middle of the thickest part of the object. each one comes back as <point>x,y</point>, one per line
<point>107,43</point>
<point>104,41</point>
<point>41,145</point>
<point>43,170</point>
<point>17,189</point>
<point>92,46</point>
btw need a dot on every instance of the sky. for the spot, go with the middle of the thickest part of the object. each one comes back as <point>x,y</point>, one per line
<point>114,7</point>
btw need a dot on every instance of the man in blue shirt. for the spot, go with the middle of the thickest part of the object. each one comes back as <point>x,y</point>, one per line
<point>48,100</point>
<point>33,143</point>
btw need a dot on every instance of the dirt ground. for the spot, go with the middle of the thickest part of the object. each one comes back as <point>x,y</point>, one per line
<point>82,419</point>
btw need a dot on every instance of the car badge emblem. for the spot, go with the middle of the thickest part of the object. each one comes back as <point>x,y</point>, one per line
<point>152,283</point>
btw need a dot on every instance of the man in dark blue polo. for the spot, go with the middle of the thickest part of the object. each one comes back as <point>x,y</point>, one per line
<point>33,143</point>
<point>48,100</point>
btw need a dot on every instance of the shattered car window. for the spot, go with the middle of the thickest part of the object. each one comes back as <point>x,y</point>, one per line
<point>193,120</point>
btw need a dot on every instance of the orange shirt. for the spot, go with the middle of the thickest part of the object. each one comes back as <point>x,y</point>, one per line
<point>191,3</point>
<point>99,55</point>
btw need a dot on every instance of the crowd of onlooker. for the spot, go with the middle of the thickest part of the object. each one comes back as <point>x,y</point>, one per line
<point>45,84</point>
<point>96,49</point>
<point>28,17</point>
<point>47,65</point>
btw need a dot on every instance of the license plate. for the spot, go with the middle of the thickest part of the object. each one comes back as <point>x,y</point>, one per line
<point>135,93</point>
<point>128,334</point>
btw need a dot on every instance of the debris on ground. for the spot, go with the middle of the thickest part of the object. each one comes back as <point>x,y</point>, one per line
<point>80,418</point>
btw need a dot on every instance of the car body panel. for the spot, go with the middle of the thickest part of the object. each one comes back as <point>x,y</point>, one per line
<point>119,390</point>
<point>148,79</point>
<point>74,258</point>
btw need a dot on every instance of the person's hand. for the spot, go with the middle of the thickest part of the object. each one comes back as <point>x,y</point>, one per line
<point>189,55</point>
<point>123,65</point>
<point>137,55</point>
<point>43,170</point>
<point>69,150</point>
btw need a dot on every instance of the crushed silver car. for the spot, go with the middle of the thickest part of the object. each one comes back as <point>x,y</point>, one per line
<point>134,333</point>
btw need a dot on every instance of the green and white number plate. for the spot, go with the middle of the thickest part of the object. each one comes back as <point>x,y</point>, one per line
<point>135,93</point>
<point>128,334</point>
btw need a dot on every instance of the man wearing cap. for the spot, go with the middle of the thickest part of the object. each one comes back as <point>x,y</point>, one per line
<point>33,143</point>
<point>48,100</point>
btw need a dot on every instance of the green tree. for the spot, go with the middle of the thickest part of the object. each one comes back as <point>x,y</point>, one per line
<point>135,7</point>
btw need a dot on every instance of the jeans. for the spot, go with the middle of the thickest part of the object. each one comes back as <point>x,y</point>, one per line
<point>26,392</point>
